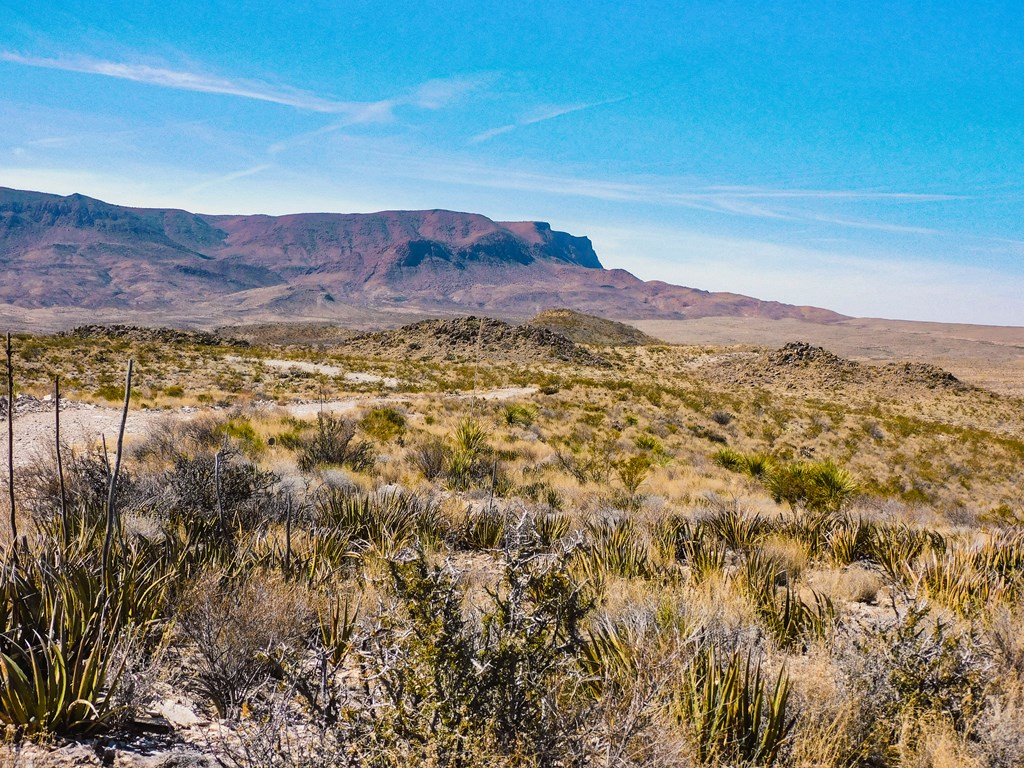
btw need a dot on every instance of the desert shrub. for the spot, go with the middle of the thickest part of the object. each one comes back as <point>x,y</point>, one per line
<point>699,430</point>
<point>385,424</point>
<point>541,493</point>
<point>219,490</point>
<point>240,432</point>
<point>475,692</point>
<point>429,458</point>
<point>587,459</point>
<point>239,632</point>
<point>722,418</point>
<point>816,486</point>
<point>333,443</point>
<point>918,665</point>
<point>632,472</point>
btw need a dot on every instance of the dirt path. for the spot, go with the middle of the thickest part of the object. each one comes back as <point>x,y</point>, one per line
<point>328,370</point>
<point>83,424</point>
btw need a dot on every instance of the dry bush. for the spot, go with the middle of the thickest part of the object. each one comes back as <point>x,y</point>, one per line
<point>932,742</point>
<point>237,631</point>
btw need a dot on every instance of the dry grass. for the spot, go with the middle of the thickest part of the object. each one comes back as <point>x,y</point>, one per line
<point>666,563</point>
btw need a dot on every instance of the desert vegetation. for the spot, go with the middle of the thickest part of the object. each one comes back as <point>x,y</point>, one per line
<point>476,556</point>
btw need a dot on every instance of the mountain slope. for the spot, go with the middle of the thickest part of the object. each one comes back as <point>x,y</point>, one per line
<point>77,252</point>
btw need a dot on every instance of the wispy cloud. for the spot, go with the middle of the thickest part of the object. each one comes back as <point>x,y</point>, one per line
<point>433,94</point>
<point>229,177</point>
<point>187,81</point>
<point>752,202</point>
<point>547,113</point>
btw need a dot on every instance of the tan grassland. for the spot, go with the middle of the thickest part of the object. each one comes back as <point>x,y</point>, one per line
<point>486,548</point>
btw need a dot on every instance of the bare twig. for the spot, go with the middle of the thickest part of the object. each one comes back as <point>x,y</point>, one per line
<point>220,499</point>
<point>60,460</point>
<point>112,492</point>
<point>10,439</point>
<point>288,538</point>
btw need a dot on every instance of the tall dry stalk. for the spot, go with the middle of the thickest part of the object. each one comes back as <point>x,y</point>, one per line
<point>60,460</point>
<point>112,492</point>
<point>10,438</point>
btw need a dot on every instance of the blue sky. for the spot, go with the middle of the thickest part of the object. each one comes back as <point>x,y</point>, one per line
<point>866,157</point>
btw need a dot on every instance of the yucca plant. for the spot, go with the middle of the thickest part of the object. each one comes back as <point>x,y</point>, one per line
<point>607,655</point>
<point>733,714</point>
<point>728,458</point>
<point>704,554</point>
<point>959,580</point>
<point>552,526</point>
<point>519,414</point>
<point>789,619</point>
<point>812,527</point>
<point>894,548</point>
<point>59,641</point>
<point>484,529</point>
<point>758,465</point>
<point>614,548</point>
<point>386,522</point>
<point>816,486</point>
<point>849,541</point>
<point>736,529</point>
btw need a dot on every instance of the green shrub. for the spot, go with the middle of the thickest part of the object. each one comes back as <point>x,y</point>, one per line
<point>333,443</point>
<point>385,424</point>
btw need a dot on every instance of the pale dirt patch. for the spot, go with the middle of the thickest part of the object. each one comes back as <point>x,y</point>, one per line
<point>85,424</point>
<point>357,377</point>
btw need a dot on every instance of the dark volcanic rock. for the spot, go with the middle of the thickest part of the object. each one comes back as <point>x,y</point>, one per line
<point>163,335</point>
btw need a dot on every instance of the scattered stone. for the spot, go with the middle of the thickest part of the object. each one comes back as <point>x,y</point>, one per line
<point>469,338</point>
<point>163,335</point>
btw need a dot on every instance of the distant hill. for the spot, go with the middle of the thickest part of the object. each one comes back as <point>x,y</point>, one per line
<point>590,329</point>
<point>81,253</point>
<point>468,339</point>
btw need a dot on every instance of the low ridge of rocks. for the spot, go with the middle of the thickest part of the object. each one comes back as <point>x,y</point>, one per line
<point>467,338</point>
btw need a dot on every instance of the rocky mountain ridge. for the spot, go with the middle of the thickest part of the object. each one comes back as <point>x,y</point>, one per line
<point>82,253</point>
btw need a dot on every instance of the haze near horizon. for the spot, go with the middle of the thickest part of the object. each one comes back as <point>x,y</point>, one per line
<point>863,160</point>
